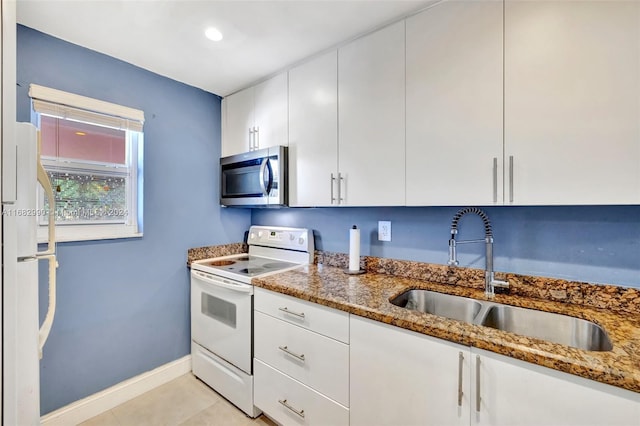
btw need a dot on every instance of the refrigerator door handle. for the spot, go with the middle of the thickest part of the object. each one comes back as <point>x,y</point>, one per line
<point>43,178</point>
<point>51,310</point>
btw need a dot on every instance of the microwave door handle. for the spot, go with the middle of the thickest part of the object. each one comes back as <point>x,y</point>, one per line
<point>263,167</point>
<point>265,186</point>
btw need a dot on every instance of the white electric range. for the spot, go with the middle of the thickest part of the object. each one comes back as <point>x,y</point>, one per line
<point>222,308</point>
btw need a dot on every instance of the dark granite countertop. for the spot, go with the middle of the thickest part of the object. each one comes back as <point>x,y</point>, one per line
<point>368,296</point>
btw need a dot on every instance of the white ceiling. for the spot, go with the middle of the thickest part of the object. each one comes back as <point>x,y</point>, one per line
<point>167,37</point>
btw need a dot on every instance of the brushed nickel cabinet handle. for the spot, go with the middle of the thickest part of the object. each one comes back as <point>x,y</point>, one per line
<point>511,178</point>
<point>495,179</point>
<point>460,393</point>
<point>257,137</point>
<point>286,350</point>
<point>333,181</point>
<point>287,311</point>
<point>478,399</point>
<point>286,404</point>
<point>340,180</point>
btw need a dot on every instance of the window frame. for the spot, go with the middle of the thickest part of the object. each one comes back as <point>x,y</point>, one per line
<point>57,104</point>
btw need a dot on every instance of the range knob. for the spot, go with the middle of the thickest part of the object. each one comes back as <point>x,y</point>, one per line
<point>292,237</point>
<point>301,240</point>
<point>252,235</point>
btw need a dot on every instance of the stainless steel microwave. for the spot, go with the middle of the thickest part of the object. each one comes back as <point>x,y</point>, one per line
<point>255,179</point>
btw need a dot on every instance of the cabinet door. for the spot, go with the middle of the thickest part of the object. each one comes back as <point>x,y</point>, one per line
<point>515,393</point>
<point>572,101</point>
<point>398,377</point>
<point>271,111</point>
<point>239,120</point>
<point>313,132</point>
<point>371,115</point>
<point>454,104</point>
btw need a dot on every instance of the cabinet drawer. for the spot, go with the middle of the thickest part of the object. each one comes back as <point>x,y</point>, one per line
<point>304,406</point>
<point>315,360</point>
<point>326,321</point>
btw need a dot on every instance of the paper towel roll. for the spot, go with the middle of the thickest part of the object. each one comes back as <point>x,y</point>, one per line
<point>354,249</point>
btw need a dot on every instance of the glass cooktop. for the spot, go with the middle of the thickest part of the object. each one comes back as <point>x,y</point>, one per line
<point>249,266</point>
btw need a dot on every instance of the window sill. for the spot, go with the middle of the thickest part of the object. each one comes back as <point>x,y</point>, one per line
<point>69,233</point>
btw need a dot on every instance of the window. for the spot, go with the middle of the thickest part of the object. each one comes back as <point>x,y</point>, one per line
<point>92,152</point>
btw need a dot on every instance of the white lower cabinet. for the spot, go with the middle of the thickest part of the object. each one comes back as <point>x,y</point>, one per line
<point>308,357</point>
<point>301,361</point>
<point>513,392</point>
<point>290,402</point>
<point>400,377</point>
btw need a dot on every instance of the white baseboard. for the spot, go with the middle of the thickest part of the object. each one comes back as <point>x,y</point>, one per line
<point>86,408</point>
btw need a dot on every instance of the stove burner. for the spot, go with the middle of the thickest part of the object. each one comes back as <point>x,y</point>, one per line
<point>252,271</point>
<point>220,263</point>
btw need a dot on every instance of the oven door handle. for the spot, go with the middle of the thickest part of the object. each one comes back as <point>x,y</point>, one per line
<point>241,288</point>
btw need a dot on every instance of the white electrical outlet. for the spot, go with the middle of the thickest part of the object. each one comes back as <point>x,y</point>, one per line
<point>384,230</point>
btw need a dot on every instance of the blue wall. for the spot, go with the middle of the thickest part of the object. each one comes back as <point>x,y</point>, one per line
<point>123,305</point>
<point>597,244</point>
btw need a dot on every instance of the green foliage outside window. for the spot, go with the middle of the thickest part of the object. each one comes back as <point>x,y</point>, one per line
<point>86,197</point>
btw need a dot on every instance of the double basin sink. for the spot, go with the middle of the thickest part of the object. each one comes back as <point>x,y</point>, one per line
<point>556,328</point>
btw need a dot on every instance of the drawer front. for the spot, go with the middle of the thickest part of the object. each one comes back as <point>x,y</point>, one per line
<point>326,321</point>
<point>289,402</point>
<point>317,361</point>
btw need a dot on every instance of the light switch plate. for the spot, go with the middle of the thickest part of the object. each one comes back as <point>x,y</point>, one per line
<point>384,230</point>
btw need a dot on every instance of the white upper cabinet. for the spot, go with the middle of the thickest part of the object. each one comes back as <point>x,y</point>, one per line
<point>572,102</point>
<point>454,104</point>
<point>238,120</point>
<point>271,112</point>
<point>256,117</point>
<point>313,132</point>
<point>371,117</point>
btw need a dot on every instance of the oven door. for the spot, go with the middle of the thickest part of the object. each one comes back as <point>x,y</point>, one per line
<point>221,315</point>
<point>256,178</point>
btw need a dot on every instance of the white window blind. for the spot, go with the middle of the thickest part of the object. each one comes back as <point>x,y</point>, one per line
<point>57,103</point>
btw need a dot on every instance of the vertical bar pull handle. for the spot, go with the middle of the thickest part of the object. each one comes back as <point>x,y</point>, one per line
<point>478,399</point>
<point>340,179</point>
<point>333,180</point>
<point>257,137</point>
<point>460,393</point>
<point>495,179</point>
<point>250,138</point>
<point>511,178</point>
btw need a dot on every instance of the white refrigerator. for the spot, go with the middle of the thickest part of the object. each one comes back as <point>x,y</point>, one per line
<point>24,337</point>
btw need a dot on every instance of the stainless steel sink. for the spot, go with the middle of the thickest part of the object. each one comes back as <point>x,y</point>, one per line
<point>444,305</point>
<point>556,328</point>
<point>563,329</point>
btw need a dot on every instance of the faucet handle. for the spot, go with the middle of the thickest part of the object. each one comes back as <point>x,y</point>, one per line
<point>453,261</point>
<point>500,283</point>
<point>497,283</point>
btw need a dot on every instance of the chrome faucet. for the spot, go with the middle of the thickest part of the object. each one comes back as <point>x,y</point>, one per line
<point>490,283</point>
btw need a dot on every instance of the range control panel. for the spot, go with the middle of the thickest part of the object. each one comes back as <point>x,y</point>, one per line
<point>299,239</point>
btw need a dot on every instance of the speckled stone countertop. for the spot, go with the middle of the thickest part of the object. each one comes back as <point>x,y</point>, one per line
<point>199,253</point>
<point>615,309</point>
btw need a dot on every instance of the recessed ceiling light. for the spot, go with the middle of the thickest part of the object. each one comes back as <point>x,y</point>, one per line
<point>80,133</point>
<point>213,34</point>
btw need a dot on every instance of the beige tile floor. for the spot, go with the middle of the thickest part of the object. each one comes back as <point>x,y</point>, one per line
<point>185,401</point>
